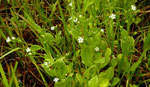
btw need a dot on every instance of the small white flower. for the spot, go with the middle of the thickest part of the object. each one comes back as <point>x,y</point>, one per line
<point>46,63</point>
<point>133,7</point>
<point>80,39</point>
<point>52,28</point>
<point>70,18</point>
<point>13,38</point>
<point>80,16</point>
<point>8,39</point>
<point>75,20</point>
<point>30,53</point>
<point>28,49</point>
<point>70,4</point>
<point>102,30</point>
<point>97,49</point>
<point>55,79</point>
<point>112,16</point>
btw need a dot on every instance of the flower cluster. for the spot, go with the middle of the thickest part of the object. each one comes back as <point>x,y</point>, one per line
<point>46,63</point>
<point>9,39</point>
<point>75,20</point>
<point>28,50</point>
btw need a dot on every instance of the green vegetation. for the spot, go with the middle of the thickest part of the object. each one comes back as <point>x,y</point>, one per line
<point>74,43</point>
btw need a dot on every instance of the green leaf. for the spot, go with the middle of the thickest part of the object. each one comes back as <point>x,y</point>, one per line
<point>115,81</point>
<point>93,82</point>
<point>147,42</point>
<point>113,62</point>
<point>87,73</point>
<point>47,37</point>
<point>97,38</point>
<point>109,73</point>
<point>48,58</point>
<point>5,80</point>
<point>125,63</point>
<point>35,48</point>
<point>90,41</point>
<point>60,68</point>
<point>87,3</point>
<point>9,52</point>
<point>102,74</point>
<point>14,76</point>
<point>99,59</point>
<point>80,78</point>
<point>49,71</point>
<point>74,33</point>
<point>103,82</point>
<point>65,82</point>
<point>87,55</point>
<point>138,20</point>
<point>107,52</point>
<point>134,66</point>
<point>107,57</point>
<point>127,42</point>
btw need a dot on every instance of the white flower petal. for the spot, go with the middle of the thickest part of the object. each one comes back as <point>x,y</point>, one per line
<point>28,49</point>
<point>80,15</point>
<point>8,39</point>
<point>112,16</point>
<point>80,39</point>
<point>55,79</point>
<point>70,4</point>
<point>97,49</point>
<point>46,63</point>
<point>30,53</point>
<point>52,28</point>
<point>13,38</point>
<point>133,7</point>
<point>102,30</point>
<point>75,20</point>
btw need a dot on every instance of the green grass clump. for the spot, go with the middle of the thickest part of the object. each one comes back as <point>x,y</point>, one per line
<point>74,43</point>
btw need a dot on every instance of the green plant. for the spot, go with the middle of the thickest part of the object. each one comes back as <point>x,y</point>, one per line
<point>79,43</point>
